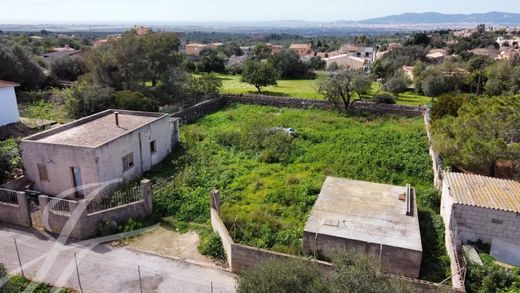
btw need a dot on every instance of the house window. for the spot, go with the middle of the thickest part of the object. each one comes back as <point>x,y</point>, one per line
<point>128,162</point>
<point>153,147</point>
<point>497,221</point>
<point>42,172</point>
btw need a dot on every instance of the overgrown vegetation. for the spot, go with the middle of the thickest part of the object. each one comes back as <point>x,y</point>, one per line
<point>19,284</point>
<point>491,277</point>
<point>270,179</point>
<point>353,272</point>
<point>10,160</point>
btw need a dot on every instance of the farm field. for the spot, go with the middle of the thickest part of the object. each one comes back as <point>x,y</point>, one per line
<point>270,181</point>
<point>306,89</point>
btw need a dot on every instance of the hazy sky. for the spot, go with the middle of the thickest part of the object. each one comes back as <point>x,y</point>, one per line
<point>232,10</point>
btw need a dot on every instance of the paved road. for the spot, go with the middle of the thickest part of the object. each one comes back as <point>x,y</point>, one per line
<point>104,268</point>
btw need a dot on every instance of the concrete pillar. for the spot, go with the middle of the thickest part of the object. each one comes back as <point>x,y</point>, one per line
<point>25,212</point>
<point>215,200</point>
<point>146,189</point>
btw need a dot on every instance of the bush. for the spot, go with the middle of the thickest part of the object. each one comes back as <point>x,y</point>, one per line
<point>447,105</point>
<point>67,68</point>
<point>397,84</point>
<point>384,98</point>
<point>135,101</point>
<point>132,225</point>
<point>107,227</point>
<point>85,99</point>
<point>211,245</point>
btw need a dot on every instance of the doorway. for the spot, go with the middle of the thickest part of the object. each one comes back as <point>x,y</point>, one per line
<point>78,184</point>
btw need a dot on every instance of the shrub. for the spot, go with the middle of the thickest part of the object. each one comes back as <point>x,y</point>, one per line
<point>132,225</point>
<point>211,245</point>
<point>107,227</point>
<point>397,84</point>
<point>135,101</point>
<point>85,99</point>
<point>67,68</point>
<point>384,98</point>
<point>447,104</point>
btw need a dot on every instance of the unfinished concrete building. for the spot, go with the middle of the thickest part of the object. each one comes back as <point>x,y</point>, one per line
<point>378,219</point>
<point>111,145</point>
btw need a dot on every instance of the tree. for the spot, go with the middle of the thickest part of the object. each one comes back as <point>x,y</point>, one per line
<point>345,87</point>
<point>135,101</point>
<point>316,63</point>
<point>259,74</point>
<point>434,85</point>
<point>17,65</point>
<point>210,62</point>
<point>67,68</point>
<point>161,53</point>
<point>290,275</point>
<point>231,49</point>
<point>483,134</point>
<point>397,84</point>
<point>261,52</point>
<point>353,272</point>
<point>85,99</point>
<point>9,159</point>
<point>447,105</point>
<point>288,65</point>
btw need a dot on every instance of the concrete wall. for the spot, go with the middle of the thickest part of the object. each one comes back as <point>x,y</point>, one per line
<point>394,260</point>
<point>16,214</point>
<point>100,164</point>
<point>220,228</point>
<point>9,107</point>
<point>199,110</point>
<point>109,156</point>
<point>80,225</point>
<point>474,223</point>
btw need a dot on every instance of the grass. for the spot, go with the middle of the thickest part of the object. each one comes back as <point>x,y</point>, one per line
<point>269,183</point>
<point>303,88</point>
<point>44,110</point>
<point>306,89</point>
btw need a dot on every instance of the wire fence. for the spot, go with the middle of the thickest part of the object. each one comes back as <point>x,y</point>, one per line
<point>118,198</point>
<point>164,183</point>
<point>8,196</point>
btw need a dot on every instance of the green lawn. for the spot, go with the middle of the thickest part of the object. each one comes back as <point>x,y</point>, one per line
<point>269,183</point>
<point>305,89</point>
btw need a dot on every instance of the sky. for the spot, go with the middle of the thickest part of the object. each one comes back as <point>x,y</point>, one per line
<point>81,11</point>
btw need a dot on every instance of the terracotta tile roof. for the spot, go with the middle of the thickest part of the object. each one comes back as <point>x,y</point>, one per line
<point>4,83</point>
<point>485,192</point>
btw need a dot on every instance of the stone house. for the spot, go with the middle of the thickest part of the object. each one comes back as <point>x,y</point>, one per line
<point>347,61</point>
<point>303,50</point>
<point>479,208</point>
<point>111,145</point>
<point>9,106</point>
<point>378,219</point>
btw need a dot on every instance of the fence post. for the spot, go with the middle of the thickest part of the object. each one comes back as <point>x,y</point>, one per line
<point>23,205</point>
<point>77,273</point>
<point>18,254</point>
<point>43,202</point>
<point>146,189</point>
<point>140,279</point>
<point>215,200</point>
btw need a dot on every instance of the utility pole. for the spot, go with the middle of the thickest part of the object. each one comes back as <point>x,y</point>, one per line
<point>19,259</point>
<point>77,273</point>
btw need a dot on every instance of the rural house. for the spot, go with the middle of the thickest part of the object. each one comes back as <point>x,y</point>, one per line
<point>303,50</point>
<point>114,144</point>
<point>478,208</point>
<point>9,109</point>
<point>378,219</point>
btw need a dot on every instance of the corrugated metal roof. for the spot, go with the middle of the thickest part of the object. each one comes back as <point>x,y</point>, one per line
<point>485,192</point>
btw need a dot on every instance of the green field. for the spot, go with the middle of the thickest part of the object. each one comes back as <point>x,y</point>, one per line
<point>269,182</point>
<point>304,88</point>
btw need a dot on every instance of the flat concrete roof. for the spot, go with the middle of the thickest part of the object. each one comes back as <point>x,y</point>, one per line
<point>96,130</point>
<point>364,211</point>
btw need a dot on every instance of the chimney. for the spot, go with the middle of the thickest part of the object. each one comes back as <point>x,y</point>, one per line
<point>117,118</point>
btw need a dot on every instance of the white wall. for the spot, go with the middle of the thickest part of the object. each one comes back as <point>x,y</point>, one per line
<point>98,164</point>
<point>8,106</point>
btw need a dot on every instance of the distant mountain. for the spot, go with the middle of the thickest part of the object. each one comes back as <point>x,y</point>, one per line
<point>438,18</point>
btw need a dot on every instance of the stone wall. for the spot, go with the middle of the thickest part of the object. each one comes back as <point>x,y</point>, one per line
<point>16,213</point>
<point>436,159</point>
<point>409,111</point>
<point>199,110</point>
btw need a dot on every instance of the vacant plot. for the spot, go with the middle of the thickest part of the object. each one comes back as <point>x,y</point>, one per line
<point>269,180</point>
<point>307,89</point>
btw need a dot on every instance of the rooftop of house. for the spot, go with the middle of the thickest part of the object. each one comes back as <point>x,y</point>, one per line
<point>6,84</point>
<point>96,130</point>
<point>301,46</point>
<point>484,192</point>
<point>365,211</point>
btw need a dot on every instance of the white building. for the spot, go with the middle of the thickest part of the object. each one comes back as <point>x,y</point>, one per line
<point>111,145</point>
<point>347,61</point>
<point>8,104</point>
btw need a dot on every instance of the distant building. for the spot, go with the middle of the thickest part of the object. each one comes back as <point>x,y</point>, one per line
<point>346,61</point>
<point>357,51</point>
<point>141,31</point>
<point>408,71</point>
<point>491,53</point>
<point>105,41</point>
<point>481,208</point>
<point>437,55</point>
<point>110,145</point>
<point>275,49</point>
<point>194,49</point>
<point>9,106</point>
<point>378,219</point>
<point>303,50</point>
